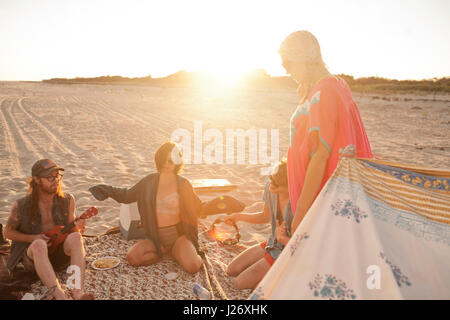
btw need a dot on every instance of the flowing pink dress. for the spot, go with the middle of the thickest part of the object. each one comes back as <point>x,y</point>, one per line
<point>331,111</point>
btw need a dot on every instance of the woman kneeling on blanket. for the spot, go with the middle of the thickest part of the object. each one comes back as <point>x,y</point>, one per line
<point>168,207</point>
<point>251,265</point>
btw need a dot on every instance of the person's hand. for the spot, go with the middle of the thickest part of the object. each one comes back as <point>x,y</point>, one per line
<point>42,236</point>
<point>281,234</point>
<point>100,192</point>
<point>80,225</point>
<point>232,219</point>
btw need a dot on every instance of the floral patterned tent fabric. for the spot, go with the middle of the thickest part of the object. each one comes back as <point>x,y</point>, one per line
<point>378,230</point>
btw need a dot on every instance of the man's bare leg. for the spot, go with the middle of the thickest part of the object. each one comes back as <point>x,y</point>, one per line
<point>73,247</point>
<point>38,252</point>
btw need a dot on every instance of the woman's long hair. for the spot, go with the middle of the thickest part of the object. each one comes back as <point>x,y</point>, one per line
<point>303,47</point>
<point>163,151</point>
<point>33,192</point>
<point>305,87</point>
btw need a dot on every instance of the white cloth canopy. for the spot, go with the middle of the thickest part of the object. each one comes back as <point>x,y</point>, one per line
<point>377,230</point>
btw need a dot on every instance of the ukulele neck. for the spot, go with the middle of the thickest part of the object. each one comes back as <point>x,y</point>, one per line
<point>69,226</point>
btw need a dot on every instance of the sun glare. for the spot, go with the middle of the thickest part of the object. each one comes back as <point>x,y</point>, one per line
<point>227,79</point>
<point>219,82</point>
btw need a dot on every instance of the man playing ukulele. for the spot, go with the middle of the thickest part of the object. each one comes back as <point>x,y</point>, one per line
<point>44,207</point>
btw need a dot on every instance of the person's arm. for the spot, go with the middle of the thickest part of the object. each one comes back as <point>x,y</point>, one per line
<point>191,198</point>
<point>79,224</point>
<point>255,218</point>
<point>126,195</point>
<point>10,232</point>
<point>281,234</point>
<point>313,179</point>
<point>122,195</point>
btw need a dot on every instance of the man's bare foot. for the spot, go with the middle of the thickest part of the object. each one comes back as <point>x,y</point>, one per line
<point>58,293</point>
<point>80,295</point>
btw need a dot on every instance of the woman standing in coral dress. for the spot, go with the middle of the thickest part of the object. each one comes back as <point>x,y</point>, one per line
<point>326,120</point>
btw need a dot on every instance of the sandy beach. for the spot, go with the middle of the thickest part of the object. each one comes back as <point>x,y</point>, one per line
<point>108,134</point>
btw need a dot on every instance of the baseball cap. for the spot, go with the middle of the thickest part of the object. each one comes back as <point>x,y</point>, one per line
<point>43,167</point>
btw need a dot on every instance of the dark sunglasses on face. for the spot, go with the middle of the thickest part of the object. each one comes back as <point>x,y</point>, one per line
<point>52,178</point>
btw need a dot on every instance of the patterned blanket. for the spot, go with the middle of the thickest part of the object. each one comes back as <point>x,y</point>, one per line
<point>125,282</point>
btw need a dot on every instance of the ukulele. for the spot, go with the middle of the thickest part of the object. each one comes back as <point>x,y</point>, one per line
<point>59,233</point>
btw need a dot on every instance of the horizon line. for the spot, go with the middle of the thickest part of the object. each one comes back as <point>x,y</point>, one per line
<point>241,74</point>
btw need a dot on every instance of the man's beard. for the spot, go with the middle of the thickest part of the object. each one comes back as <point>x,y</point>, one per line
<point>51,190</point>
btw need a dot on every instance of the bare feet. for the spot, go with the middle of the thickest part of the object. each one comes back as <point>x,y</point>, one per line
<point>57,293</point>
<point>80,295</point>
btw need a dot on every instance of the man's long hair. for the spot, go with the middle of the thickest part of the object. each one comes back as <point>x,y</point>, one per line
<point>33,192</point>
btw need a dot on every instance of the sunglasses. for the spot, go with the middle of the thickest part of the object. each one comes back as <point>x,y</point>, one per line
<point>52,178</point>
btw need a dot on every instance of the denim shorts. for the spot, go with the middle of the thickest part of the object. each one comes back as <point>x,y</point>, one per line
<point>272,253</point>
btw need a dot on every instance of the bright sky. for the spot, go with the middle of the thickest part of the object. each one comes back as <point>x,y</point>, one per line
<point>402,39</point>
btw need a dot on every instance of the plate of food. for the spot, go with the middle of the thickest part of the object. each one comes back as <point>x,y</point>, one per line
<point>105,263</point>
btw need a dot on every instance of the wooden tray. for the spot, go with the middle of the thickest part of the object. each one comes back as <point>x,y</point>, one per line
<point>212,185</point>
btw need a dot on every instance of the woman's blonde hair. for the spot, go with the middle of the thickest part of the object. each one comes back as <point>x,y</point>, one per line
<point>303,47</point>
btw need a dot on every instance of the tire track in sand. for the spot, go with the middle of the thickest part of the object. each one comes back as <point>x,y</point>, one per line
<point>101,130</point>
<point>99,105</point>
<point>24,144</point>
<point>55,140</point>
<point>10,145</point>
<point>63,103</point>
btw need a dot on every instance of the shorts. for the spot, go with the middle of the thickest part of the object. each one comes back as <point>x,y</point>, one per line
<point>58,259</point>
<point>169,235</point>
<point>272,253</point>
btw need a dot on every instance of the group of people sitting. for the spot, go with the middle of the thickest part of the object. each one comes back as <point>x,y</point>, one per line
<point>169,210</point>
<point>326,120</point>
